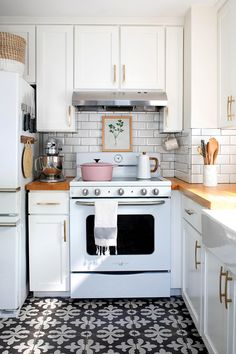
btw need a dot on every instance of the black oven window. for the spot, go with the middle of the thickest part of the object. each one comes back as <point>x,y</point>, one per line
<point>135,235</point>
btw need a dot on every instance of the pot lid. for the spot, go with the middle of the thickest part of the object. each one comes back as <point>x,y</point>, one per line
<point>97,163</point>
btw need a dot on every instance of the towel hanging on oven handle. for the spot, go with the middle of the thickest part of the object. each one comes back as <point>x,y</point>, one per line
<point>159,202</point>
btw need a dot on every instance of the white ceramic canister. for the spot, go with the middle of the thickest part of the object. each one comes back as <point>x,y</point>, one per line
<point>210,175</point>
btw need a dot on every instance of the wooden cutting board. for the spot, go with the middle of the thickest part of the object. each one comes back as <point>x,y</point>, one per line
<point>27,160</point>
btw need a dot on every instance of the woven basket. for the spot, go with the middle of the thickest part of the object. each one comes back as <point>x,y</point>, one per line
<point>12,47</point>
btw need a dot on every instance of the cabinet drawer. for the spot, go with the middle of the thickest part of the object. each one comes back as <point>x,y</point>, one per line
<point>45,202</point>
<point>191,212</point>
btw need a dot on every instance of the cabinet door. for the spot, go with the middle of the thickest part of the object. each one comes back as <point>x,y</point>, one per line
<point>192,272</point>
<point>48,252</point>
<point>28,33</point>
<point>55,78</point>
<point>224,53</point>
<point>96,57</point>
<point>219,333</point>
<point>142,58</point>
<point>173,118</point>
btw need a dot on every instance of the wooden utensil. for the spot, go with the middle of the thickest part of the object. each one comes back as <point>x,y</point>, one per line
<point>212,147</point>
<point>216,153</point>
<point>27,160</point>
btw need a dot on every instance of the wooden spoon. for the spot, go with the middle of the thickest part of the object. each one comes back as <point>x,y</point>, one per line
<point>216,153</point>
<point>212,147</point>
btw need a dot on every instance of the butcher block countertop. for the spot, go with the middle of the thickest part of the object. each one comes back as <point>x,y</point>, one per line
<point>46,186</point>
<point>221,197</point>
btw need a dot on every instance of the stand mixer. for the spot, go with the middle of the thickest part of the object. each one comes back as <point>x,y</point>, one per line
<point>50,164</point>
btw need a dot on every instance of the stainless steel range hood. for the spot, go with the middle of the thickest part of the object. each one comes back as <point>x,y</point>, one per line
<point>119,101</point>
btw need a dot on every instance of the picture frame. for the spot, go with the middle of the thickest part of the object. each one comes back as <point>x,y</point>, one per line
<point>117,133</point>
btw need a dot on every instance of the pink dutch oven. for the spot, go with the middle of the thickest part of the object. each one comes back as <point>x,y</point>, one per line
<point>96,171</point>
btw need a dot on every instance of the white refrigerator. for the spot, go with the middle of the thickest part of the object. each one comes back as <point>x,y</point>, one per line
<point>17,102</point>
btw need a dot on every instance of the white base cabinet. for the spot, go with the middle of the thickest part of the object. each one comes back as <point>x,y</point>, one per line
<point>192,259</point>
<point>219,322</point>
<point>192,273</point>
<point>49,241</point>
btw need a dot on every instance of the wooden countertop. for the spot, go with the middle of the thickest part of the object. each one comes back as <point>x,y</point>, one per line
<point>47,186</point>
<point>221,197</point>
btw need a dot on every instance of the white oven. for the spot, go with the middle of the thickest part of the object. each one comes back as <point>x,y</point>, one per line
<point>141,265</point>
<point>143,240</point>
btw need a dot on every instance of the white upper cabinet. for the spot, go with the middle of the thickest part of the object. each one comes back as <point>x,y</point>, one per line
<point>55,78</point>
<point>173,117</point>
<point>142,55</point>
<point>96,57</point>
<point>135,60</point>
<point>200,68</point>
<point>226,65</point>
<point>28,33</point>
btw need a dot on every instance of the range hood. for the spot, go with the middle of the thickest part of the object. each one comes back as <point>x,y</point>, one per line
<point>119,101</point>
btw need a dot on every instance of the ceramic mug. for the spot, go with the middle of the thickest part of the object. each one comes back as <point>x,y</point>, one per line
<point>171,143</point>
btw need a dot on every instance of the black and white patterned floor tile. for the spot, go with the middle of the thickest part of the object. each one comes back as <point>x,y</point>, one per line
<point>133,326</point>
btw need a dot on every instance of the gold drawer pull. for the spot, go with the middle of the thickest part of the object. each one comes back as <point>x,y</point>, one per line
<point>114,77</point>
<point>189,211</point>
<point>48,203</point>
<point>124,73</point>
<point>197,246</point>
<point>222,274</point>
<point>227,279</point>
<point>65,231</point>
<point>69,115</point>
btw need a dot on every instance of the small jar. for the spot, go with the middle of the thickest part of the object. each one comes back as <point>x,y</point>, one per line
<point>210,175</point>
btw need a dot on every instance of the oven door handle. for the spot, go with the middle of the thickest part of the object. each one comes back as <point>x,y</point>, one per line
<point>159,202</point>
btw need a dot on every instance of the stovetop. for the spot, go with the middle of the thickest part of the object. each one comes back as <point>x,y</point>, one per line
<point>124,183</point>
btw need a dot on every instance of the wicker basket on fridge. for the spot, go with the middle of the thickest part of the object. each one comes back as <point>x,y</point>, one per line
<point>12,52</point>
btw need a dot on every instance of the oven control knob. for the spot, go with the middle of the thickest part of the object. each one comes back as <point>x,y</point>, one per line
<point>85,192</point>
<point>121,191</point>
<point>155,191</point>
<point>97,191</point>
<point>143,191</point>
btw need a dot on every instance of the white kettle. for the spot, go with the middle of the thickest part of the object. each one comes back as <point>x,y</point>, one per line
<point>144,168</point>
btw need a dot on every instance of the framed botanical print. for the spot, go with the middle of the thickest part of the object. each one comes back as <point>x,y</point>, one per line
<point>116,133</point>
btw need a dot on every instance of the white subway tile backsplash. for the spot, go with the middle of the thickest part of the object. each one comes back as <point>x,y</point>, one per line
<point>228,132</point>
<point>228,169</point>
<point>184,163</point>
<point>89,125</point>
<point>232,178</point>
<point>89,141</point>
<point>225,149</point>
<point>145,133</point>
<point>196,131</point>
<point>212,132</point>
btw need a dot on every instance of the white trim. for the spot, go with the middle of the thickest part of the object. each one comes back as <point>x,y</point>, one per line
<point>169,21</point>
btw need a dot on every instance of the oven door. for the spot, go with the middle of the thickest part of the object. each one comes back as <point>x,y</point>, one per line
<point>143,240</point>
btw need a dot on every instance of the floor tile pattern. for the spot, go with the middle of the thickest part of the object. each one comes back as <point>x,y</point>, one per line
<point>133,326</point>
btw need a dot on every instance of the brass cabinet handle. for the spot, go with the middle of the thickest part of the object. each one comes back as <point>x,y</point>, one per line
<point>230,115</point>
<point>65,231</point>
<point>231,100</point>
<point>124,74</point>
<point>189,211</point>
<point>222,274</point>
<point>228,108</point>
<point>69,116</point>
<point>114,72</point>
<point>48,203</point>
<point>196,248</point>
<point>227,279</point>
